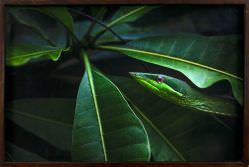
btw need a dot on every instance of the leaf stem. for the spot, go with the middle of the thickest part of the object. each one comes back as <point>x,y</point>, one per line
<point>98,22</point>
<point>99,16</point>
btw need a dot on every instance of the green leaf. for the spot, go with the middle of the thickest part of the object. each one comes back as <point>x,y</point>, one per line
<point>19,54</point>
<point>49,119</point>
<point>60,13</point>
<point>34,36</point>
<point>128,32</point>
<point>180,93</point>
<point>125,14</point>
<point>179,134</point>
<point>105,127</point>
<point>30,16</point>
<point>52,32</point>
<point>129,14</point>
<point>200,58</point>
<point>15,153</point>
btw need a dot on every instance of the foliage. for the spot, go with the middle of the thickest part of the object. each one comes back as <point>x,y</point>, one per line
<point>140,116</point>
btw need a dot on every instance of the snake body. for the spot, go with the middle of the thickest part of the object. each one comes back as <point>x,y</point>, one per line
<point>181,93</point>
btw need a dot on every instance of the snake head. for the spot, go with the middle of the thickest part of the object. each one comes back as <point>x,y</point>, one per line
<point>161,85</point>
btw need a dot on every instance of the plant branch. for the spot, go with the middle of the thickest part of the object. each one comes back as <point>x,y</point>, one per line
<point>98,22</point>
<point>99,16</point>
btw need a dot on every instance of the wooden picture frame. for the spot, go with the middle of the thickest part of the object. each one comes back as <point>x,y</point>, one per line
<point>245,3</point>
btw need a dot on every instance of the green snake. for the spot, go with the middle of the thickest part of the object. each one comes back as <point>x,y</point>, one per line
<point>181,93</point>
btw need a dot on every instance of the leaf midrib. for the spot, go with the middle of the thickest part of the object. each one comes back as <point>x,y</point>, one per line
<point>157,130</point>
<point>39,118</point>
<point>125,16</point>
<point>169,57</point>
<point>39,53</point>
<point>90,78</point>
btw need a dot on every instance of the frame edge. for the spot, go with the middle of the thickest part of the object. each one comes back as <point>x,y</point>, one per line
<point>246,85</point>
<point>2,36</point>
<point>245,157</point>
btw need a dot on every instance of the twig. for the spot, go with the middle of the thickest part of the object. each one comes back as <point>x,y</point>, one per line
<point>98,22</point>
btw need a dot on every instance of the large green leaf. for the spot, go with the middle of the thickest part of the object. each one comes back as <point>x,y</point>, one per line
<point>204,60</point>
<point>19,54</point>
<point>34,36</point>
<point>17,154</point>
<point>49,119</point>
<point>60,14</point>
<point>182,94</point>
<point>105,127</point>
<point>189,19</point>
<point>53,32</point>
<point>179,134</point>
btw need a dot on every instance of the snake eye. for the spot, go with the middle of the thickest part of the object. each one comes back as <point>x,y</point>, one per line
<point>159,79</point>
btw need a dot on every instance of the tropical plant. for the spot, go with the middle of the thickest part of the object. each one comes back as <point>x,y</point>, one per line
<point>153,115</point>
